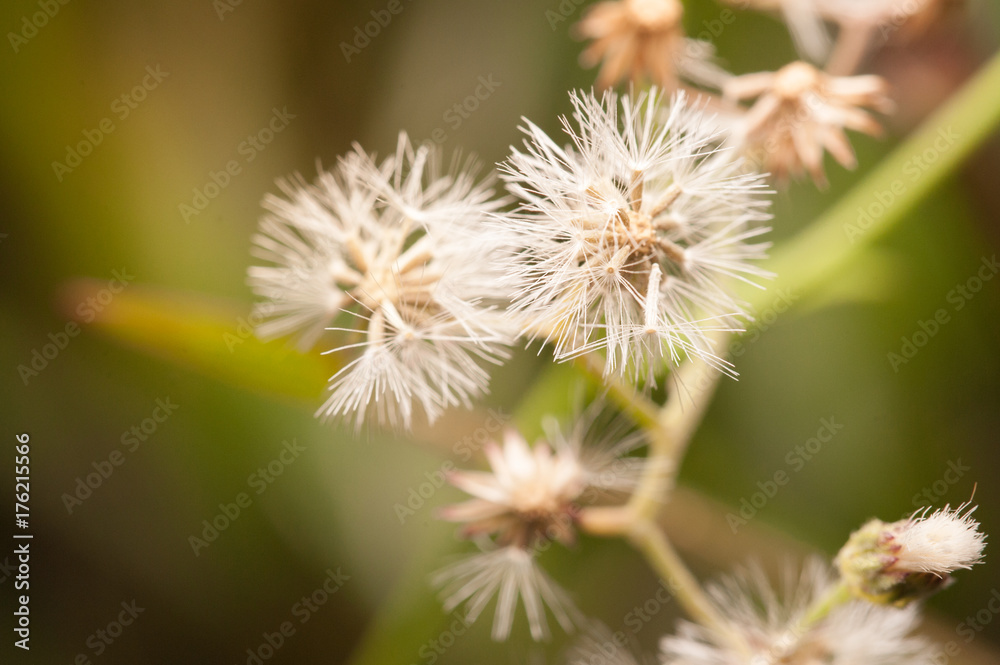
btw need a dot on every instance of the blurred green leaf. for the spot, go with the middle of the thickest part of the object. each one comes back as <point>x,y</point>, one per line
<point>873,276</point>
<point>558,391</point>
<point>819,255</point>
<point>412,615</point>
<point>210,338</point>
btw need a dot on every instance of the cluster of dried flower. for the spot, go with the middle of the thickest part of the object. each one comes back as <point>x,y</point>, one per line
<point>625,239</point>
<point>798,112</point>
<point>531,498</point>
<point>629,241</point>
<point>864,614</point>
<point>387,253</point>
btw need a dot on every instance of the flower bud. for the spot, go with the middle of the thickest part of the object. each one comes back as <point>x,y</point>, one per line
<point>899,562</point>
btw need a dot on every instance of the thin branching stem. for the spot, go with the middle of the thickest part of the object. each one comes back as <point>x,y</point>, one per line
<point>812,259</point>
<point>649,539</point>
<point>642,410</point>
<point>669,430</point>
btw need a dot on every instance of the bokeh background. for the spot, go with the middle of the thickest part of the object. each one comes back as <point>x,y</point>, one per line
<point>229,66</point>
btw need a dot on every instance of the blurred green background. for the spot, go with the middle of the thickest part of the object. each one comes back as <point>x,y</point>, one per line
<point>224,70</point>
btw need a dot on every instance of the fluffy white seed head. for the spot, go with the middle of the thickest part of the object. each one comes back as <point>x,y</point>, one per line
<point>530,497</point>
<point>941,542</point>
<point>532,494</point>
<point>629,239</point>
<point>771,624</point>
<point>599,646</point>
<point>508,573</point>
<point>389,258</point>
<point>903,561</point>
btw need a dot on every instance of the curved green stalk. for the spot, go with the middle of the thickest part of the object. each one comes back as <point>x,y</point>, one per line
<point>809,261</point>
<point>880,201</point>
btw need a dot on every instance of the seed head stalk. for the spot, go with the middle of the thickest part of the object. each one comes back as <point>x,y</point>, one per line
<point>669,429</point>
<point>977,111</point>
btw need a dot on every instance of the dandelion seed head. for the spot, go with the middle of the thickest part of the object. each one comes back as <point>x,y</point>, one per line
<point>385,256</point>
<point>633,38</point>
<point>599,646</point>
<point>770,623</point>
<point>644,40</point>
<point>801,112</point>
<point>532,494</point>
<point>637,188</point>
<point>509,573</point>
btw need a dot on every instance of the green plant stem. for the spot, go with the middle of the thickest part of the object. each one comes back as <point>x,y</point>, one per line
<point>692,388</point>
<point>643,411</point>
<point>809,261</point>
<point>812,259</point>
<point>669,431</point>
<point>649,539</point>
<point>668,428</point>
<point>835,596</point>
<point>816,255</point>
<point>909,174</point>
